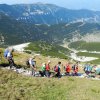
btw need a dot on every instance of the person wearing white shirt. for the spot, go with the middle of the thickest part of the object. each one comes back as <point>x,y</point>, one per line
<point>32,65</point>
<point>10,59</point>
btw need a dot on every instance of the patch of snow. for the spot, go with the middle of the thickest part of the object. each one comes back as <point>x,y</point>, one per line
<point>20,47</point>
<point>89,51</point>
<point>92,37</point>
<point>82,58</point>
<point>25,14</point>
<point>37,12</point>
<point>82,25</point>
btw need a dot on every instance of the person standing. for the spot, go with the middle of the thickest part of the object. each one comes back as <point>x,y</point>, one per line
<point>75,69</point>
<point>68,69</point>
<point>88,69</point>
<point>10,58</point>
<point>42,72</point>
<point>58,70</point>
<point>48,69</point>
<point>32,65</point>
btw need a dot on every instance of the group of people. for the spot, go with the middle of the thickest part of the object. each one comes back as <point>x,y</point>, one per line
<point>89,69</point>
<point>69,69</point>
<point>47,71</point>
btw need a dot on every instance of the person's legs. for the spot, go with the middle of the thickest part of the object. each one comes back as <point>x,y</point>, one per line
<point>87,72</point>
<point>43,73</point>
<point>59,76</point>
<point>47,74</point>
<point>10,64</point>
<point>67,73</point>
<point>76,74</point>
<point>32,71</point>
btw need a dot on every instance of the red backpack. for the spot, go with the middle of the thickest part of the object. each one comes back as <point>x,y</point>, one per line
<point>56,68</point>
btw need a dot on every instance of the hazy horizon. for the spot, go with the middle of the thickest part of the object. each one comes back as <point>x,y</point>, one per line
<point>70,4</point>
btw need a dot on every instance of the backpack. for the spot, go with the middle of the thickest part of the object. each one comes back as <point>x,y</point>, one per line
<point>87,68</point>
<point>73,67</point>
<point>5,53</point>
<point>27,62</point>
<point>56,68</point>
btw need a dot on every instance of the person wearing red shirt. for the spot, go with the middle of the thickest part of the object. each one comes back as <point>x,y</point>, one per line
<point>75,69</point>
<point>68,69</point>
<point>48,69</point>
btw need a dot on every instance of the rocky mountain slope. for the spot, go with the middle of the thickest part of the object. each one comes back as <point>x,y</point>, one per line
<point>48,13</point>
<point>45,22</point>
<point>15,32</point>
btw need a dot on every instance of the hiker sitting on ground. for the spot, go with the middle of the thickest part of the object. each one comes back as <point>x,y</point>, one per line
<point>57,69</point>
<point>42,72</point>
<point>68,69</point>
<point>32,64</point>
<point>48,69</point>
<point>9,57</point>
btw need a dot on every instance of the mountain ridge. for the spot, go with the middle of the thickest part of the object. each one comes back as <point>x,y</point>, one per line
<point>44,22</point>
<point>48,13</point>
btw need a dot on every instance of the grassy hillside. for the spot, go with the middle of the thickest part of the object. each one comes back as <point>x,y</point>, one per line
<point>47,49</point>
<point>17,87</point>
<point>20,59</point>
<point>82,45</point>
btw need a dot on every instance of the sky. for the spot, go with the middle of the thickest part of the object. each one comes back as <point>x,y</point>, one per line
<point>70,4</point>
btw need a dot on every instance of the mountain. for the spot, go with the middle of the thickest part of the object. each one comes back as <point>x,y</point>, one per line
<point>48,13</point>
<point>15,32</point>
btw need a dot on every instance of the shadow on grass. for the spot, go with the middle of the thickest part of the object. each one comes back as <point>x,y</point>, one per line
<point>15,65</point>
<point>4,65</point>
